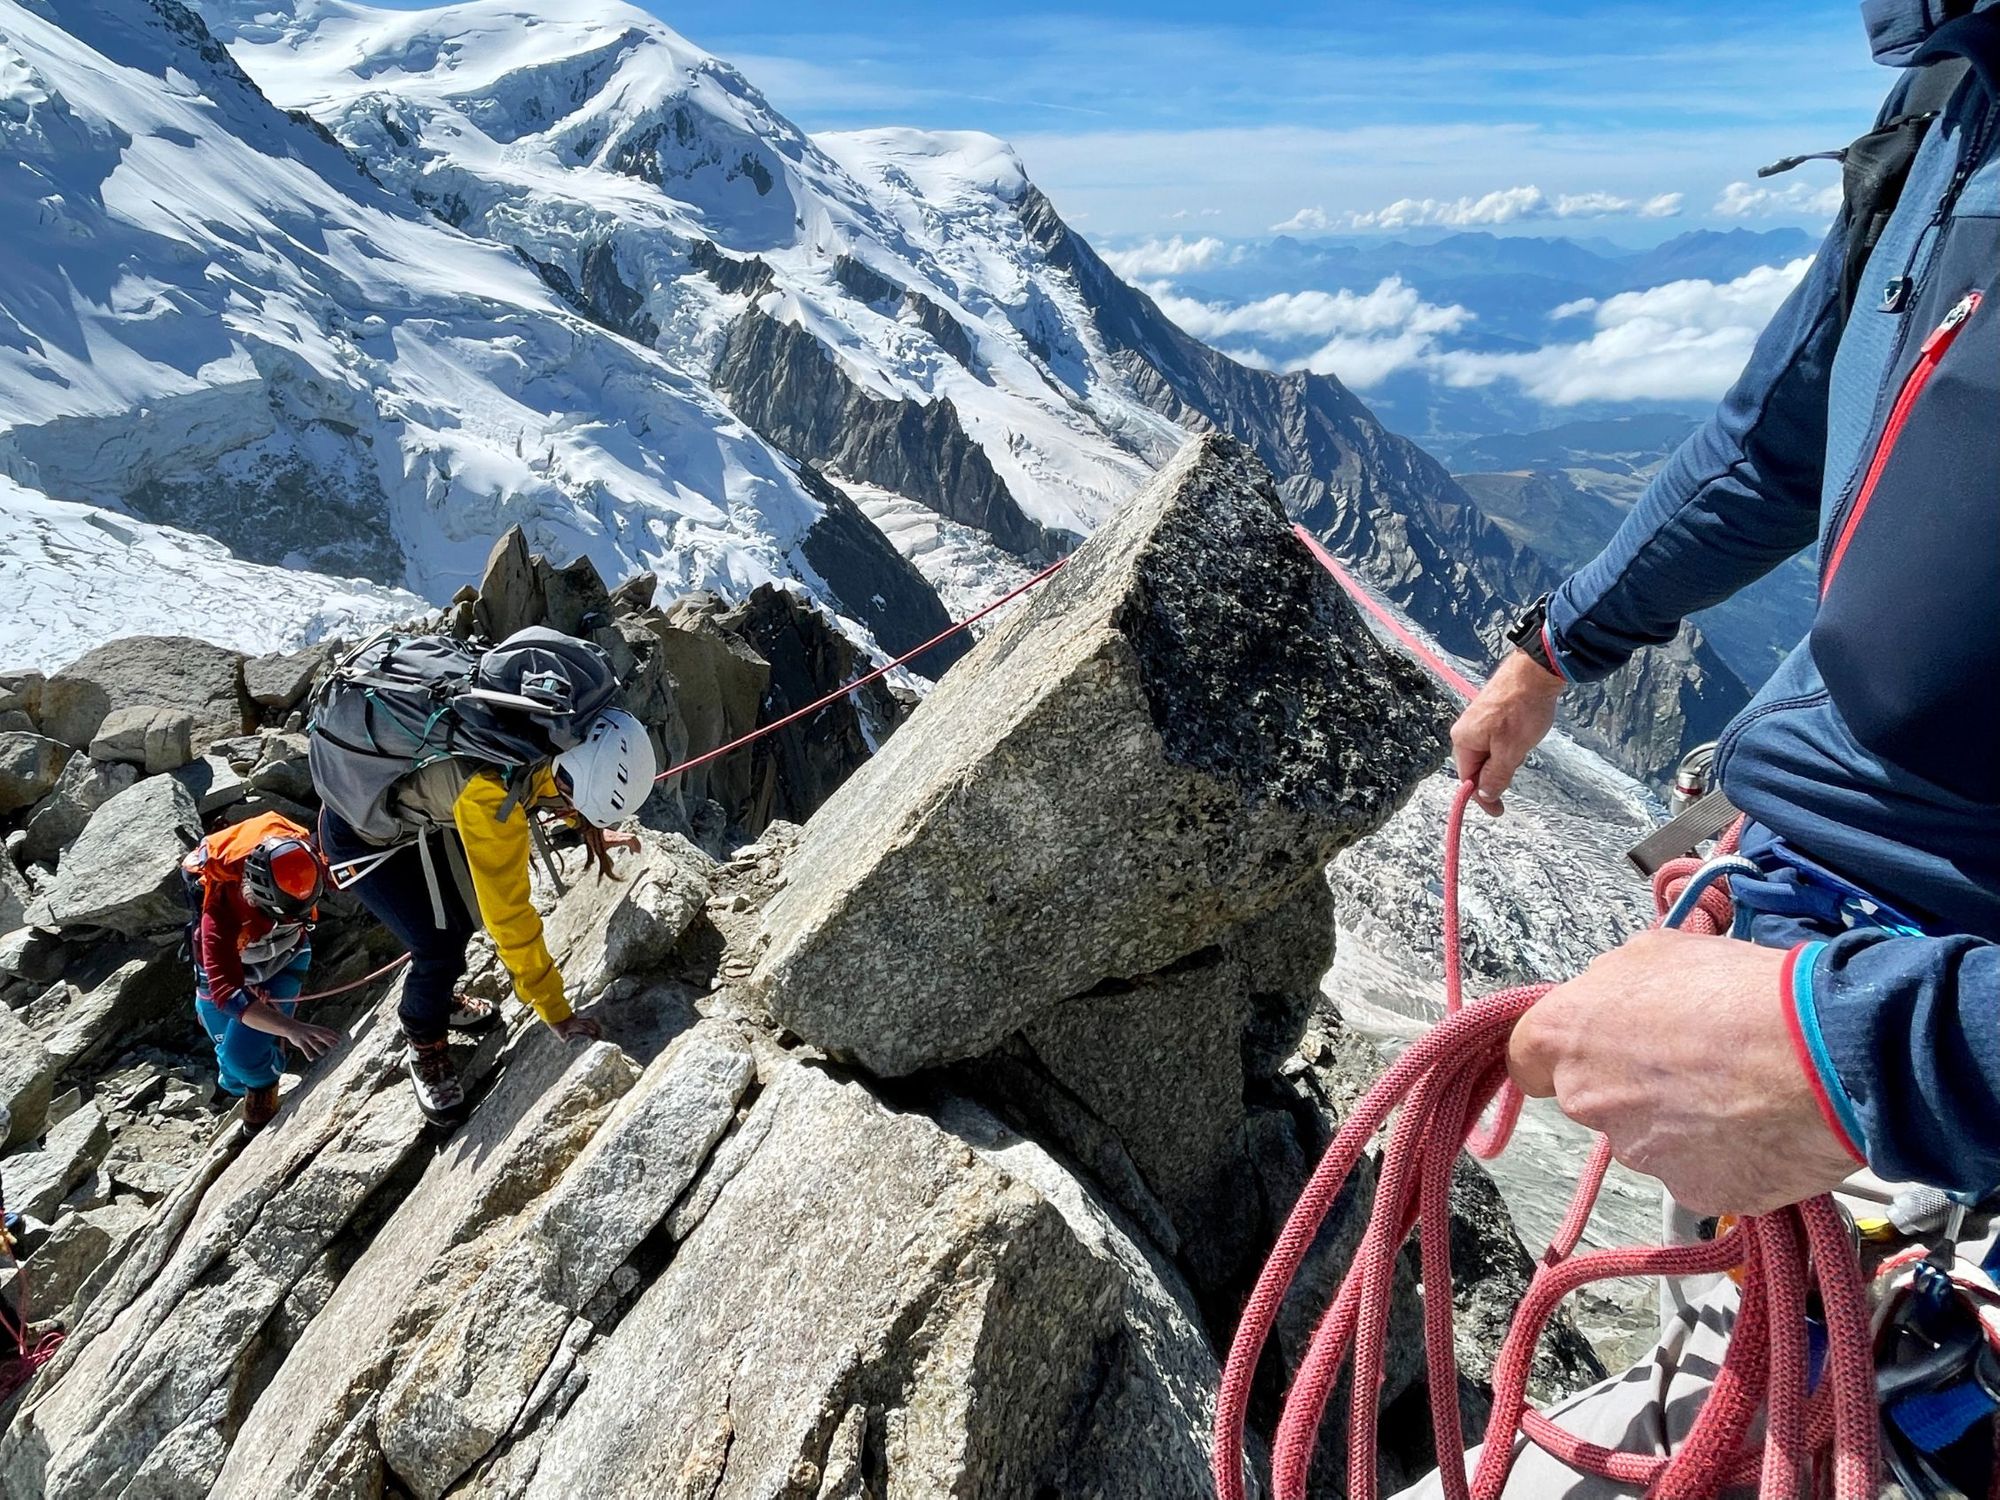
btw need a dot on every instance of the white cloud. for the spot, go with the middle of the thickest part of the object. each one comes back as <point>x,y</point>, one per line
<point>1504,206</point>
<point>1305,221</point>
<point>1175,257</point>
<point>1683,341</point>
<point>1746,200</point>
<point>1362,337</point>
<point>1512,206</point>
<point>1195,213</point>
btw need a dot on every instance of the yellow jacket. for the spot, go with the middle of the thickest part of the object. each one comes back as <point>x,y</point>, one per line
<point>497,855</point>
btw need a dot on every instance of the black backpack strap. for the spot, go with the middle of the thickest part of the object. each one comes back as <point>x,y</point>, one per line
<point>1875,167</point>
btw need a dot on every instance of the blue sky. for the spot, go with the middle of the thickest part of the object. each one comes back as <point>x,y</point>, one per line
<point>1163,117</point>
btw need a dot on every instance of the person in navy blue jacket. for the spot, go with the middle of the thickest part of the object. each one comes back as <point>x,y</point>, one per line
<point>1865,1021</point>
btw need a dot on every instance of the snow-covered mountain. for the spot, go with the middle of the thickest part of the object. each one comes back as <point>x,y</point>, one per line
<point>353,289</point>
<point>213,317</point>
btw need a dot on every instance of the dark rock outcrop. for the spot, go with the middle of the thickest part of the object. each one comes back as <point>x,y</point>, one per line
<point>784,382</point>
<point>876,584</point>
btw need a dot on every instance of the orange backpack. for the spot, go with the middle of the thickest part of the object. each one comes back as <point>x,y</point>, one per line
<point>218,859</point>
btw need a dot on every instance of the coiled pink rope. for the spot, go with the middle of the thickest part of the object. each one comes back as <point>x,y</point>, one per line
<point>1437,1092</point>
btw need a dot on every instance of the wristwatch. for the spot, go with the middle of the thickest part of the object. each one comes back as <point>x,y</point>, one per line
<point>1530,633</point>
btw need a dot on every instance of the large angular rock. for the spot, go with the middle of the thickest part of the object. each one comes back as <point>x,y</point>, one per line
<point>1166,739</point>
<point>161,671</point>
<point>84,786</point>
<point>27,1078</point>
<point>75,1024</point>
<point>124,871</point>
<point>510,592</point>
<point>30,765</point>
<point>630,922</point>
<point>578,602</point>
<point>153,738</point>
<point>722,681</point>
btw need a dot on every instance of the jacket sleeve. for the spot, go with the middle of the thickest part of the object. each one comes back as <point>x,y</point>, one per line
<point>1738,498</point>
<point>215,945</point>
<point>497,854</point>
<point>1903,1035</point>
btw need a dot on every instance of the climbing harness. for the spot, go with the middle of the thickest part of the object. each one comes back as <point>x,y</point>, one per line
<point>1789,1260</point>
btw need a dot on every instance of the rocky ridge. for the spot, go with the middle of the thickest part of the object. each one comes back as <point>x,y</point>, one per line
<point>791,1230</point>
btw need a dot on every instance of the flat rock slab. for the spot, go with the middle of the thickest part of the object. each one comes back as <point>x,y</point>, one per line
<point>156,1365</point>
<point>943,1295</point>
<point>458,1393</point>
<point>1164,741</point>
<point>548,1102</point>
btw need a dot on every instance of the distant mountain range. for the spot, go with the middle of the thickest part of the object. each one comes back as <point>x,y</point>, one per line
<point>1511,289</point>
<point>1510,281</point>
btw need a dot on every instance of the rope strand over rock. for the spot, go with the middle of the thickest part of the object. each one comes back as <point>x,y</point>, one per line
<point>1437,1092</point>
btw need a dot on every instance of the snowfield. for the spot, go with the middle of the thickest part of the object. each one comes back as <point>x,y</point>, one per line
<point>75,576</point>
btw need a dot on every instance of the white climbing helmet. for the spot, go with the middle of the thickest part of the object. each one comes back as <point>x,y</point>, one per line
<point>610,774</point>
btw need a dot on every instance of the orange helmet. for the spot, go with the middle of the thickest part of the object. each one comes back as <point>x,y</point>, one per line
<point>283,877</point>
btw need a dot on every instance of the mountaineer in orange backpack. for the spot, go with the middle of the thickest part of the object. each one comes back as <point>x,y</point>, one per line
<point>255,889</point>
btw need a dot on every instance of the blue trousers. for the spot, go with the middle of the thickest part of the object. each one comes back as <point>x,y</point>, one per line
<point>246,1058</point>
<point>398,896</point>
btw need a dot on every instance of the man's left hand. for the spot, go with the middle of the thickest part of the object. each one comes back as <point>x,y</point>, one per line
<point>629,842</point>
<point>1679,1049</point>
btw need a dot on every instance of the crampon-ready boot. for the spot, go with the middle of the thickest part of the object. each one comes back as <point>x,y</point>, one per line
<point>260,1107</point>
<point>471,1016</point>
<point>435,1078</point>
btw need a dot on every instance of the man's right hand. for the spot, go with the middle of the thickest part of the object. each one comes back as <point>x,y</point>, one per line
<point>1512,714</point>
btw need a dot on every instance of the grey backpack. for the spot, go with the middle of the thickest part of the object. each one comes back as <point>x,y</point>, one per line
<point>401,702</point>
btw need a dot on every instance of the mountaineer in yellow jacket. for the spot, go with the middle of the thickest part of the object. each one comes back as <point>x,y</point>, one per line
<point>433,899</point>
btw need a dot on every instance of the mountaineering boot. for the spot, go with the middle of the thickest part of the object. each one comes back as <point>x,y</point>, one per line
<point>260,1107</point>
<point>472,1016</point>
<point>435,1078</point>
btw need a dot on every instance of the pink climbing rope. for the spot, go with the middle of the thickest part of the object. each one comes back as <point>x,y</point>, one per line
<point>1443,670</point>
<point>1437,1093</point>
<point>18,1368</point>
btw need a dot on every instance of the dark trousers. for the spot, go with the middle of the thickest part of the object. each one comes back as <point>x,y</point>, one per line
<point>399,897</point>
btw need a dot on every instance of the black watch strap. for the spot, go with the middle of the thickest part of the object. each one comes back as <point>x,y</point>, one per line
<point>1530,633</point>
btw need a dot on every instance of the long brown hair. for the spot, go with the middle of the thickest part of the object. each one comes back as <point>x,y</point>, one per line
<point>596,851</point>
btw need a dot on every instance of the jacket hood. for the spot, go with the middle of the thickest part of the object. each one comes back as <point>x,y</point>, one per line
<point>1896,28</point>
